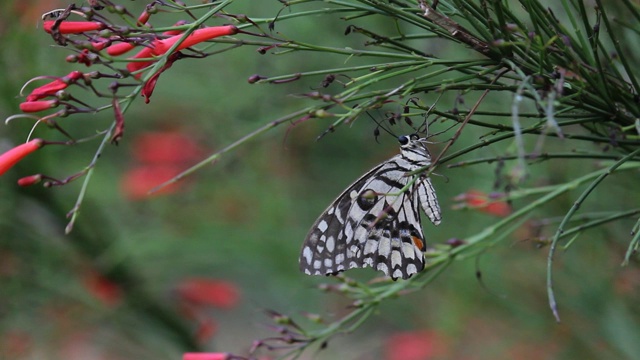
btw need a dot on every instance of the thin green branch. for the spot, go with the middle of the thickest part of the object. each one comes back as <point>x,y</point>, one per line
<point>601,175</point>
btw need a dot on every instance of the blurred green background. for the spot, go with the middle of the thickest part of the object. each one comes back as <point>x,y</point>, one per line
<point>242,222</point>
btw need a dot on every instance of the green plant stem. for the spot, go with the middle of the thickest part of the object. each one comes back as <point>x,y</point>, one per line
<point>600,176</point>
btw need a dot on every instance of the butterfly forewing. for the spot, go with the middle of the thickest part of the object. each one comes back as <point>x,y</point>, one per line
<point>376,222</point>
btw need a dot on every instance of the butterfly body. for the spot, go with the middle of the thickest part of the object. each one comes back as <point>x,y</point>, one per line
<point>376,222</point>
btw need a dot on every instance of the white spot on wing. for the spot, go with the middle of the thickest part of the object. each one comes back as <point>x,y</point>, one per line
<point>383,267</point>
<point>385,247</point>
<point>306,253</point>
<point>370,247</point>
<point>330,244</point>
<point>316,264</point>
<point>328,263</point>
<point>323,226</point>
<point>339,258</point>
<point>408,250</point>
<point>411,269</point>
<point>397,274</point>
<point>396,259</point>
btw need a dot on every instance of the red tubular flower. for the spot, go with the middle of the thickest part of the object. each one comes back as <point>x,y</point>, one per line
<point>29,180</point>
<point>120,48</point>
<point>56,85</point>
<point>150,85</point>
<point>205,356</point>
<point>137,65</point>
<point>73,27</point>
<point>481,201</point>
<point>175,32</point>
<point>198,36</point>
<point>160,47</point>
<point>13,156</point>
<point>35,106</point>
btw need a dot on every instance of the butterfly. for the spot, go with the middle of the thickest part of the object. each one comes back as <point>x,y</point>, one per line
<point>376,222</point>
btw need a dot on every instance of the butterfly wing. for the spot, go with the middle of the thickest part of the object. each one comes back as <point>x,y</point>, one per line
<point>370,224</point>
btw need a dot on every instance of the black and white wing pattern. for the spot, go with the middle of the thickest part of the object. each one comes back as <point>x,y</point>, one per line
<point>373,222</point>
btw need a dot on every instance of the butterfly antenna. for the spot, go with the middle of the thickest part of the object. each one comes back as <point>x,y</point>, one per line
<point>379,126</point>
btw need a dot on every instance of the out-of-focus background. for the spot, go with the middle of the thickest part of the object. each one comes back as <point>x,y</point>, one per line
<point>217,250</point>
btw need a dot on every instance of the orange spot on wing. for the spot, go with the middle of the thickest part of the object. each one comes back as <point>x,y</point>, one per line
<point>418,242</point>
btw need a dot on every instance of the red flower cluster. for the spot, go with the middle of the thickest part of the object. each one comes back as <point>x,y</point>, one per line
<point>52,94</point>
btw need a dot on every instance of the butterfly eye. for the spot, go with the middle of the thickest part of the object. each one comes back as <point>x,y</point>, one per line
<point>403,140</point>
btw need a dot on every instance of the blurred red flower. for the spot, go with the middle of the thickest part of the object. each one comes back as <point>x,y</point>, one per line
<point>161,155</point>
<point>15,345</point>
<point>208,292</point>
<point>415,345</point>
<point>486,203</point>
<point>205,356</point>
<point>102,288</point>
<point>137,182</point>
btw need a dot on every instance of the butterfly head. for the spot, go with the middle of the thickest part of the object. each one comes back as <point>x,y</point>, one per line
<point>414,148</point>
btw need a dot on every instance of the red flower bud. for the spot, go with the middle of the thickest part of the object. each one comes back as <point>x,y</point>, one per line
<point>73,27</point>
<point>143,18</point>
<point>35,106</point>
<point>119,48</point>
<point>13,156</point>
<point>53,87</point>
<point>99,45</point>
<point>30,180</point>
